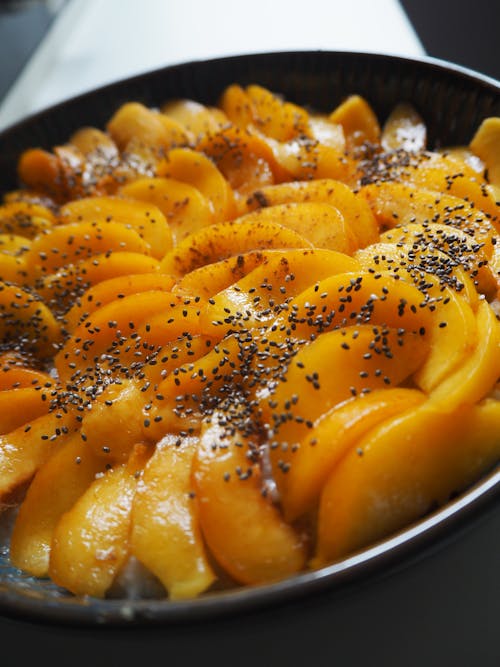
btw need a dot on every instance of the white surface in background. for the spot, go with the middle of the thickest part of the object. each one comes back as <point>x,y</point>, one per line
<point>94,42</point>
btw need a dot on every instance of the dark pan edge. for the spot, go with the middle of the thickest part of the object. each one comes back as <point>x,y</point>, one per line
<point>398,550</point>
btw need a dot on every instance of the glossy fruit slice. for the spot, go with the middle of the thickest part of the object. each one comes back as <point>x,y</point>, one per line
<point>243,529</point>
<point>332,436</point>
<point>224,239</point>
<point>143,217</point>
<point>354,208</point>
<point>55,488</point>
<point>401,470</point>
<point>165,533</point>
<point>90,542</point>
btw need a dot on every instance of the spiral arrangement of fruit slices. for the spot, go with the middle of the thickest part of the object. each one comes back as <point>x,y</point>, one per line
<point>243,341</point>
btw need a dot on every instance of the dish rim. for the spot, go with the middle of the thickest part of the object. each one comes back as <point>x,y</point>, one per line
<point>411,543</point>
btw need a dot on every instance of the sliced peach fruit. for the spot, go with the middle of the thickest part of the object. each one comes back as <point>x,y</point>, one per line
<point>243,529</point>
<point>165,532</point>
<point>55,488</point>
<point>400,470</point>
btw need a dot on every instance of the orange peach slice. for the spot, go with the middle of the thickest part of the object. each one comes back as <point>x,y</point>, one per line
<point>142,216</point>
<point>477,375</point>
<point>348,298</point>
<point>243,529</point>
<point>25,219</point>
<point>109,290</point>
<point>184,207</point>
<point>25,318</point>
<point>196,118</point>
<point>134,121</point>
<point>102,331</point>
<point>90,541</point>
<point>20,406</point>
<point>354,208</point>
<point>24,450</point>
<point>358,120</point>
<point>69,282</point>
<point>471,252</point>
<point>485,144</point>
<point>236,103</point>
<point>428,269</point>
<point>165,532</point>
<point>400,470</point>
<point>331,437</point>
<point>320,223</point>
<point>244,157</point>
<point>258,296</point>
<point>117,410</point>
<point>224,239</point>
<point>196,169</point>
<point>395,204</point>
<point>274,117</point>
<point>404,129</point>
<point>15,376</point>
<point>55,488</point>
<point>67,244</point>
<point>337,365</point>
<point>211,278</point>
<point>452,338</point>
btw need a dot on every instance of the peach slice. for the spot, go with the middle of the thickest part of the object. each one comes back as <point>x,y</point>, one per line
<point>69,281</point>
<point>109,290</point>
<point>331,437</point>
<point>90,541</point>
<point>258,296</point>
<point>196,118</point>
<point>13,375</point>
<point>14,244</point>
<point>196,169</point>
<point>25,319</point>
<point>221,240</point>
<point>477,375</point>
<point>358,120</point>
<point>319,222</point>
<point>117,410</point>
<point>143,217</point>
<point>20,406</point>
<point>184,207</point>
<point>135,121</point>
<point>485,144</point>
<point>102,331</point>
<point>13,269</point>
<point>25,218</point>
<point>236,103</point>
<point>395,204</point>
<point>244,157</point>
<point>429,269</point>
<point>67,244</point>
<point>165,532</point>
<point>55,488</point>
<point>243,529</point>
<point>322,374</point>
<point>348,298</point>
<point>452,338</point>
<point>400,470</point>
<point>215,277</point>
<point>354,208</point>
<point>24,450</point>
<point>275,117</point>
<point>404,129</point>
<point>472,252</point>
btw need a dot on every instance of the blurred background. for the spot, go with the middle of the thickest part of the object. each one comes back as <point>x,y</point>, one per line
<point>53,49</point>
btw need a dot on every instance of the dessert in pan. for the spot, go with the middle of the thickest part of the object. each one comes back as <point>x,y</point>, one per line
<point>242,341</point>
